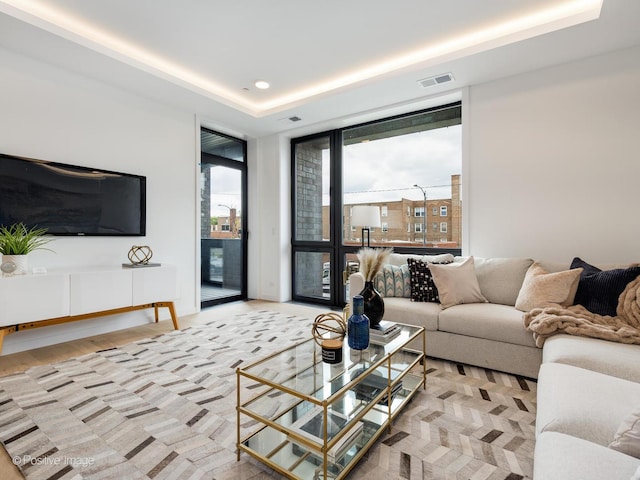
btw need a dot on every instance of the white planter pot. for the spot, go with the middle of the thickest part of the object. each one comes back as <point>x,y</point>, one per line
<point>19,261</point>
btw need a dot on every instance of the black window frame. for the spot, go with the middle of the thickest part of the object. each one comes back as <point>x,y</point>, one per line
<point>334,247</point>
<point>242,167</point>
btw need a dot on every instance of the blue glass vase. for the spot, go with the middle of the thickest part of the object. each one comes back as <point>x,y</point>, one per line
<point>358,326</point>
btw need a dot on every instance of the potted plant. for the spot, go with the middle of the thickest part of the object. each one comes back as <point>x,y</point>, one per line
<point>16,242</point>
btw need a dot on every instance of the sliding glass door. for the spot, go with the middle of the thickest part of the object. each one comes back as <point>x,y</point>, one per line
<point>223,245</point>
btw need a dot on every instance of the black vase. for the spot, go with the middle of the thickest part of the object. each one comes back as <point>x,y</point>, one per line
<point>373,304</point>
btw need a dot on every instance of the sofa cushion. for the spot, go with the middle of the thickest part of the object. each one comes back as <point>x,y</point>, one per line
<point>500,279</point>
<point>401,258</point>
<point>582,403</point>
<point>457,283</point>
<point>492,321</point>
<point>560,456</point>
<point>627,437</point>
<point>403,310</point>
<point>598,290</point>
<point>393,281</point>
<point>612,358</point>
<point>541,289</point>
<point>423,288</point>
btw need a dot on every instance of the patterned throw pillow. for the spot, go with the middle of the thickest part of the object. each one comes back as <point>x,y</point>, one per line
<point>393,281</point>
<point>423,288</point>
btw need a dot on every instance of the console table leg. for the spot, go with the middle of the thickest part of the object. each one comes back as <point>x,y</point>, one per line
<point>174,317</point>
<point>4,332</point>
<point>172,311</point>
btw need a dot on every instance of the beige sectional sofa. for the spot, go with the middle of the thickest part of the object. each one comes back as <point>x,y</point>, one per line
<point>588,390</point>
<point>489,335</point>
<point>588,400</point>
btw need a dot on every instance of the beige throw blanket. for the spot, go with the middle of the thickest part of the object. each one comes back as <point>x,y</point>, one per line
<point>577,320</point>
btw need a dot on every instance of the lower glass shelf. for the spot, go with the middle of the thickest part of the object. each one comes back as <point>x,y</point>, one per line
<point>296,460</point>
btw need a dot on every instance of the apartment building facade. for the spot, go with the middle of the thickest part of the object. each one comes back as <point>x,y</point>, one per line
<point>407,222</point>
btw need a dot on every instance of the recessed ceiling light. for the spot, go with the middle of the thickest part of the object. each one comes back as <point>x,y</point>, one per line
<point>262,85</point>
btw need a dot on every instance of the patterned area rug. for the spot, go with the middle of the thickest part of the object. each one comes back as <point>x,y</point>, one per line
<point>164,408</point>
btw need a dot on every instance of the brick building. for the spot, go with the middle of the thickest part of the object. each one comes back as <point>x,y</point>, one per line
<point>403,222</point>
<point>228,226</point>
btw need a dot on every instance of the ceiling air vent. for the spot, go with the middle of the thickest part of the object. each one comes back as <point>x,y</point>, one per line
<point>292,119</point>
<point>436,80</point>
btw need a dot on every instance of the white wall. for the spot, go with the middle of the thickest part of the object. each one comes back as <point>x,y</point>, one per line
<point>553,162</point>
<point>551,171</point>
<point>270,219</point>
<point>51,114</point>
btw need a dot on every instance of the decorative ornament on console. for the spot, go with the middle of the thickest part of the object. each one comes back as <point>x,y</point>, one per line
<point>16,242</point>
<point>139,256</point>
<point>371,262</point>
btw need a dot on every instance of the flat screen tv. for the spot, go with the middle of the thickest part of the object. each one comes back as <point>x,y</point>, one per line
<point>71,200</point>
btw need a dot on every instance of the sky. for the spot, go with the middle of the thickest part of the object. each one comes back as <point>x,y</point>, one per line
<point>225,190</point>
<point>380,170</point>
<point>387,169</point>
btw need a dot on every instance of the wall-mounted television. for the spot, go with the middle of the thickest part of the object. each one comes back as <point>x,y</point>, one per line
<point>71,200</point>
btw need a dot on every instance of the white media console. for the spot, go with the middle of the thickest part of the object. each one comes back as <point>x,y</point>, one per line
<point>33,301</point>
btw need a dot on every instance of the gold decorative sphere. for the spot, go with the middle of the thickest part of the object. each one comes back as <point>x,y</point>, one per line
<point>140,255</point>
<point>331,323</point>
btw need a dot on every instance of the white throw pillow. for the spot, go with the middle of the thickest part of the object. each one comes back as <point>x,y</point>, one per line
<point>500,279</point>
<point>627,438</point>
<point>457,283</point>
<point>541,289</point>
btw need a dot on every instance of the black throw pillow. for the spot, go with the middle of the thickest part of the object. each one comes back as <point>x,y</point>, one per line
<point>423,288</point>
<point>598,290</point>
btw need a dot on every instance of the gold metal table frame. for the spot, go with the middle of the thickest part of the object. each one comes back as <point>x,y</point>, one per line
<point>294,380</point>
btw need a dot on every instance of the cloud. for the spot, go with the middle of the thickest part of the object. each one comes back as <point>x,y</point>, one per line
<point>387,169</point>
<point>225,190</point>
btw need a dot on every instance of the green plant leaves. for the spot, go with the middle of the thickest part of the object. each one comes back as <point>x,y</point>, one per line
<point>18,240</point>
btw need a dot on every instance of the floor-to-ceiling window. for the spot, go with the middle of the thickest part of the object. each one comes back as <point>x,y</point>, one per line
<point>223,219</point>
<point>314,249</point>
<point>406,170</point>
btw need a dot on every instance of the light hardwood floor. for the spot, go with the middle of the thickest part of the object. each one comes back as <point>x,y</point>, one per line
<point>21,361</point>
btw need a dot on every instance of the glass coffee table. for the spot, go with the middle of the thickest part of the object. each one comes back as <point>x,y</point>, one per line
<point>312,420</point>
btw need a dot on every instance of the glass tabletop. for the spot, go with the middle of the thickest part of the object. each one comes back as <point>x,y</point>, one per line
<point>294,366</point>
<point>300,372</point>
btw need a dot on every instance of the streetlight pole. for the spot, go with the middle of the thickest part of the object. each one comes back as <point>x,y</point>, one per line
<point>424,218</point>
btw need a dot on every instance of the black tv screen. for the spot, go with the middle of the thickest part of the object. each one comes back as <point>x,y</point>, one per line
<point>71,200</point>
